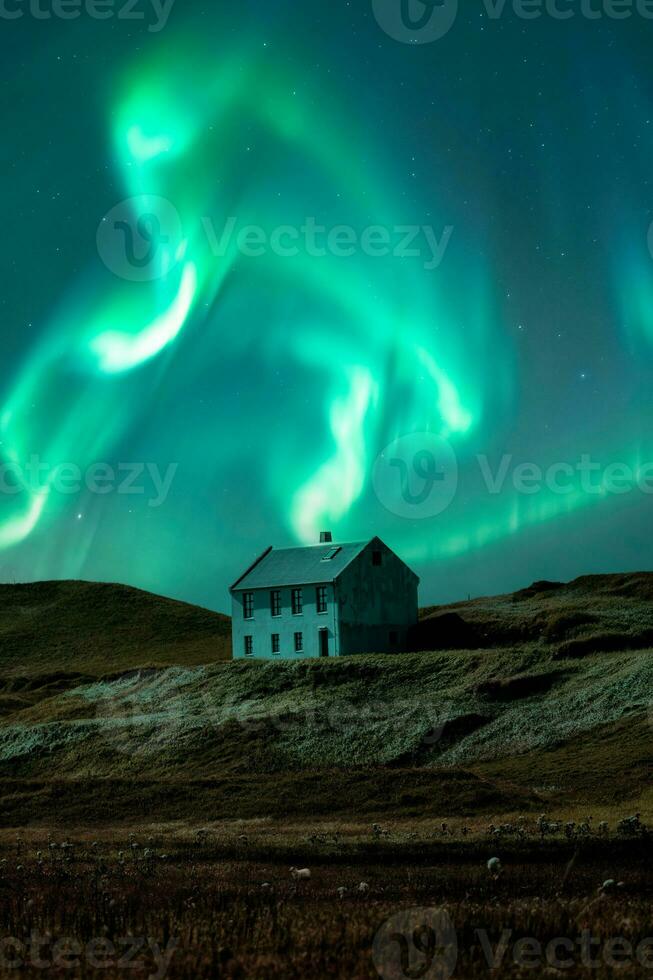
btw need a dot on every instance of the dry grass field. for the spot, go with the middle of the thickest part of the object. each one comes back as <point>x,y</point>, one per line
<point>220,901</point>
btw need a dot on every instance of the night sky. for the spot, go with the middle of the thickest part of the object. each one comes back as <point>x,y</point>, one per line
<point>277,391</point>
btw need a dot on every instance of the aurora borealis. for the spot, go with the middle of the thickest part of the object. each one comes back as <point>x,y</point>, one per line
<point>272,378</point>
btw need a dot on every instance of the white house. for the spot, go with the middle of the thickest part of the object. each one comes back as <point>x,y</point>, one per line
<point>325,600</point>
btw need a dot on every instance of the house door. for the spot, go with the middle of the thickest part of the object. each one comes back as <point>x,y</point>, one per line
<point>323,636</point>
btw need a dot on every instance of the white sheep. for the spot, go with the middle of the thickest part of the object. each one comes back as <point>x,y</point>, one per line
<point>363,888</point>
<point>300,874</point>
<point>494,866</point>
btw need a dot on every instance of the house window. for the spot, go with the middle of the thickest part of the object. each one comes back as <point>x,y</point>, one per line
<point>248,605</point>
<point>377,558</point>
<point>276,646</point>
<point>299,642</point>
<point>249,646</point>
<point>275,602</point>
<point>321,598</point>
<point>296,602</point>
<point>331,553</point>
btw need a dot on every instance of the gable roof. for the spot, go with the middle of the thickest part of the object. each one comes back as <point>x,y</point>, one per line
<point>299,566</point>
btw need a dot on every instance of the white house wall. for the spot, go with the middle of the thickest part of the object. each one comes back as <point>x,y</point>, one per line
<point>264,624</point>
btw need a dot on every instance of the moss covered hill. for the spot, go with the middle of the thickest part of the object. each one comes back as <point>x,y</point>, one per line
<point>541,700</point>
<point>94,629</point>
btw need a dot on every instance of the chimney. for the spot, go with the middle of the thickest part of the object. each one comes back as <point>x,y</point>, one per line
<point>326,537</point>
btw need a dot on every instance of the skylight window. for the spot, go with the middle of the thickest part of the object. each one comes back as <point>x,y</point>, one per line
<point>331,553</point>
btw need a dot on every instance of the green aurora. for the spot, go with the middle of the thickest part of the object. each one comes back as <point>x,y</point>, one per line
<point>274,382</point>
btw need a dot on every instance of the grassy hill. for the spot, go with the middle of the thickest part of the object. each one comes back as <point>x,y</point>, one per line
<point>549,707</point>
<point>96,629</point>
<point>594,612</point>
<point>56,635</point>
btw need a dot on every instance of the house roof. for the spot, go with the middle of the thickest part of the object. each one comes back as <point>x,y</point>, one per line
<point>299,566</point>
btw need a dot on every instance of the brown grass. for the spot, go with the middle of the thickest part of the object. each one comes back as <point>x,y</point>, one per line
<point>212,913</point>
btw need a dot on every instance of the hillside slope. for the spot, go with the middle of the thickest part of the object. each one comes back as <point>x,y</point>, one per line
<point>594,612</point>
<point>553,709</point>
<point>95,629</point>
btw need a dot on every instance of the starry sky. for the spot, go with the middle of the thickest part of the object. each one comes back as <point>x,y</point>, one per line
<point>191,399</point>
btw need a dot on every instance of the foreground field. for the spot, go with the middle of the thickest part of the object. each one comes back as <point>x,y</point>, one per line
<point>167,901</point>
